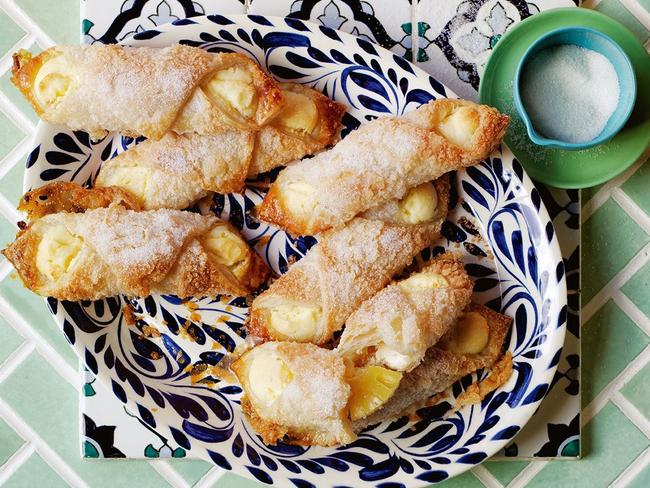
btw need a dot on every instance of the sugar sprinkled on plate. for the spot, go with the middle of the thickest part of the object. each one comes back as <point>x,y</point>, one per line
<point>569,92</point>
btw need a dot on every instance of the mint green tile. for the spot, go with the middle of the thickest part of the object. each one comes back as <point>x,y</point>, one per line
<point>11,184</point>
<point>9,341</point>
<point>33,308</point>
<point>637,391</point>
<point>610,340</point>
<point>611,442</point>
<point>505,471</point>
<point>12,93</point>
<point>642,479</point>
<point>10,442</point>
<point>7,233</point>
<point>11,135</point>
<point>637,186</point>
<point>466,480</point>
<point>637,289</point>
<point>614,9</point>
<point>49,405</point>
<point>229,480</point>
<point>35,472</point>
<point>588,193</point>
<point>645,4</point>
<point>60,19</point>
<point>604,251</point>
<point>11,33</point>
<point>192,470</point>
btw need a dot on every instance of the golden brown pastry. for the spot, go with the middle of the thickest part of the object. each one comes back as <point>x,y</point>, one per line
<point>109,251</point>
<point>381,161</point>
<point>65,196</point>
<point>395,327</point>
<point>349,265</point>
<point>146,91</point>
<point>296,393</point>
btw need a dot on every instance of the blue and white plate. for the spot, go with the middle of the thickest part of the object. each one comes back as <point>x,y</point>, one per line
<point>496,220</point>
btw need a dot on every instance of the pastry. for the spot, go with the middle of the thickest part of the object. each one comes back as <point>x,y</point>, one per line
<point>474,342</point>
<point>65,196</point>
<point>381,161</point>
<point>348,265</point>
<point>178,170</point>
<point>146,91</point>
<point>295,392</point>
<point>110,251</point>
<point>395,327</point>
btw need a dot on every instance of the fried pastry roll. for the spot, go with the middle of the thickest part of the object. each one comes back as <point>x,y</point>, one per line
<point>146,91</point>
<point>381,161</point>
<point>109,251</point>
<point>65,196</point>
<point>348,265</point>
<point>395,327</point>
<point>475,341</point>
<point>296,393</point>
<point>178,170</point>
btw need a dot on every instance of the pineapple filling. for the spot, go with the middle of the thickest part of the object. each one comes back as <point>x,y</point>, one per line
<point>227,248</point>
<point>459,127</point>
<point>134,179</point>
<point>51,83</point>
<point>299,113</point>
<point>423,281</point>
<point>268,376</point>
<point>234,86</point>
<point>57,252</point>
<point>371,387</point>
<point>470,335</point>
<point>419,205</point>
<point>294,322</point>
<point>300,198</point>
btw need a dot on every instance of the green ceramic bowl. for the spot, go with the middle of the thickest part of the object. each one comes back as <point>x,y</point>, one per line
<point>558,167</point>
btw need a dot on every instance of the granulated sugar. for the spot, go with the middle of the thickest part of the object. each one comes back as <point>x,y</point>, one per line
<point>569,92</point>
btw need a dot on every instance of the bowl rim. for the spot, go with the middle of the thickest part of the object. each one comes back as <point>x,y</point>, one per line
<point>540,140</point>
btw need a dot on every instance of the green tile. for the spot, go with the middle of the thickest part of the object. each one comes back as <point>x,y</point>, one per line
<point>11,184</point>
<point>637,186</point>
<point>60,19</point>
<point>34,310</point>
<point>645,4</point>
<point>604,253</point>
<point>12,93</point>
<point>10,442</point>
<point>466,480</point>
<point>9,341</point>
<point>642,479</point>
<point>637,289</point>
<point>611,442</point>
<point>588,193</point>
<point>7,233</point>
<point>505,471</point>
<point>49,405</point>
<point>229,480</point>
<point>637,391</point>
<point>11,33</point>
<point>35,472</point>
<point>610,340</point>
<point>192,470</point>
<point>11,135</point>
<point>614,9</point>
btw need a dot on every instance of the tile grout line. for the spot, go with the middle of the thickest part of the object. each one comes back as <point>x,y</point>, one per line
<point>209,479</point>
<point>633,469</point>
<point>169,474</point>
<point>636,213</point>
<point>25,22</point>
<point>16,115</point>
<point>17,459</point>
<point>415,38</point>
<point>15,359</point>
<point>5,269</point>
<point>638,12</point>
<point>485,477</point>
<point>632,413</point>
<point>41,447</point>
<point>618,280</point>
<point>632,311</point>
<point>527,474</point>
<point>633,367</point>
<point>9,211</point>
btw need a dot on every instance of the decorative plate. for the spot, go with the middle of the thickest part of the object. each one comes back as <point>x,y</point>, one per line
<point>496,220</point>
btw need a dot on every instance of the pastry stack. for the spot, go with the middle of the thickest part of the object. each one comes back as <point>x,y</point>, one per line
<point>338,343</point>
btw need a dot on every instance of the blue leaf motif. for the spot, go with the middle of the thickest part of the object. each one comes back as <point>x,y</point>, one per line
<point>146,415</point>
<point>472,458</point>
<point>507,433</point>
<point>33,157</point>
<point>180,438</point>
<point>301,61</point>
<point>474,194</point>
<point>66,143</point>
<point>219,460</point>
<point>384,469</point>
<point>206,434</point>
<point>91,362</point>
<point>536,395</point>
<point>149,34</point>
<point>433,476</point>
<point>368,83</point>
<point>500,238</point>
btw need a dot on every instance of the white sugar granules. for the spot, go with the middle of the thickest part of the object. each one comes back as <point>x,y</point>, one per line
<point>569,92</point>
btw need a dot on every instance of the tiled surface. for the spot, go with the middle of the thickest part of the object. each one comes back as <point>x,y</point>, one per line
<point>35,358</point>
